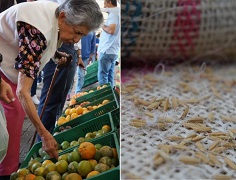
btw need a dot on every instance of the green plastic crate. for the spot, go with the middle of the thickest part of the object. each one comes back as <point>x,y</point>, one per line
<point>113,174</point>
<point>116,117</point>
<point>73,134</point>
<point>94,95</point>
<point>88,80</point>
<point>91,75</point>
<point>112,105</point>
<point>112,141</point>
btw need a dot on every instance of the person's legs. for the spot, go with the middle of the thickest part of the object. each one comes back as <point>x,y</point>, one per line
<point>81,74</point>
<point>111,73</point>
<point>105,63</point>
<point>60,89</point>
<point>15,117</point>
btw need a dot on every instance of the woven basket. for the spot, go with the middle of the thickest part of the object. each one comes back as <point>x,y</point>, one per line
<point>178,29</point>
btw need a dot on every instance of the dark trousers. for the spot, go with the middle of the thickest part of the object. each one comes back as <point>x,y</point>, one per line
<point>60,89</point>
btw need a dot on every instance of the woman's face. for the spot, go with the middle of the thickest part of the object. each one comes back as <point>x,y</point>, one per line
<point>70,34</point>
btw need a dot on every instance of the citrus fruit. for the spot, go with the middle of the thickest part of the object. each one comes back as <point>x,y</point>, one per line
<point>22,172</point>
<point>13,176</point>
<point>35,166</point>
<point>65,145</point>
<point>46,162</point>
<point>30,177</point>
<point>79,110</point>
<point>84,168</point>
<point>93,162</point>
<point>62,157</point>
<point>31,162</point>
<point>61,166</point>
<point>73,176</point>
<point>73,116</point>
<point>39,171</point>
<point>67,118</point>
<point>87,150</point>
<point>106,151</point>
<point>63,177</point>
<point>106,160</point>
<point>105,101</point>
<point>73,110</point>
<point>92,173</point>
<point>81,140</point>
<point>53,175</point>
<point>115,155</point>
<point>115,161</point>
<point>48,168</point>
<point>61,120</point>
<point>74,143</point>
<point>39,178</point>
<point>72,167</point>
<point>67,111</point>
<point>98,146</point>
<point>97,155</point>
<point>101,167</point>
<point>73,156</point>
<point>106,129</point>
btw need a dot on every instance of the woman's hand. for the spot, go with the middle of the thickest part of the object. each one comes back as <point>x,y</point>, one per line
<point>49,144</point>
<point>6,94</point>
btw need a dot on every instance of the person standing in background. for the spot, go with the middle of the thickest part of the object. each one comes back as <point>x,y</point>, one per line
<point>88,44</point>
<point>109,45</point>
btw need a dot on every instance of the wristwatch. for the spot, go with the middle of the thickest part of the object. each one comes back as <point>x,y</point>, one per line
<point>80,56</point>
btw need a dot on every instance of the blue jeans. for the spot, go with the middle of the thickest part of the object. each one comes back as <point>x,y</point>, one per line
<point>106,68</point>
<point>81,75</point>
<point>60,89</point>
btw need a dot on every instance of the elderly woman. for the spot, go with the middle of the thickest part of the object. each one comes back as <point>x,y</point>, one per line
<point>30,33</point>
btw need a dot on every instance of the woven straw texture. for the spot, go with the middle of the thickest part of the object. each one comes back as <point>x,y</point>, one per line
<point>154,137</point>
<point>178,29</point>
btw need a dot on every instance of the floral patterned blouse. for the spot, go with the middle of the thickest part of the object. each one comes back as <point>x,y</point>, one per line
<point>32,43</point>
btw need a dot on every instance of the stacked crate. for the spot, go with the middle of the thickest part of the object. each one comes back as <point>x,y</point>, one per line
<point>107,114</point>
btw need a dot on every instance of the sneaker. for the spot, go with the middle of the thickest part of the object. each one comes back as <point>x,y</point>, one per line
<point>35,100</point>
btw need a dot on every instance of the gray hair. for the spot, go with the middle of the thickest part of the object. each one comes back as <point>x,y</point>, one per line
<point>82,12</point>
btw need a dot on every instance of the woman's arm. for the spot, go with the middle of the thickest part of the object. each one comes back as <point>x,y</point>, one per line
<point>23,92</point>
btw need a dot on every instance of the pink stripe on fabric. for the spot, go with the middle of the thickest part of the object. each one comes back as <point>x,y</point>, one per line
<point>186,27</point>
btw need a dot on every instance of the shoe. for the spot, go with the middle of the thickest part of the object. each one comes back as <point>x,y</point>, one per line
<point>35,100</point>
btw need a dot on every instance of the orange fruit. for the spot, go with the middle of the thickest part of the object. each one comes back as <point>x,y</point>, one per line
<point>101,167</point>
<point>46,162</point>
<point>106,151</point>
<point>72,102</point>
<point>22,172</point>
<point>92,173</point>
<point>35,166</point>
<point>115,155</point>
<point>48,168</point>
<point>72,167</point>
<point>84,168</point>
<point>39,171</point>
<point>73,116</point>
<point>79,110</point>
<point>73,110</point>
<point>30,177</point>
<point>67,118</point>
<point>87,150</point>
<point>61,166</point>
<point>53,175</point>
<point>73,156</point>
<point>93,162</point>
<point>61,120</point>
<point>67,111</point>
<point>73,176</point>
<point>106,129</point>
<point>105,101</point>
